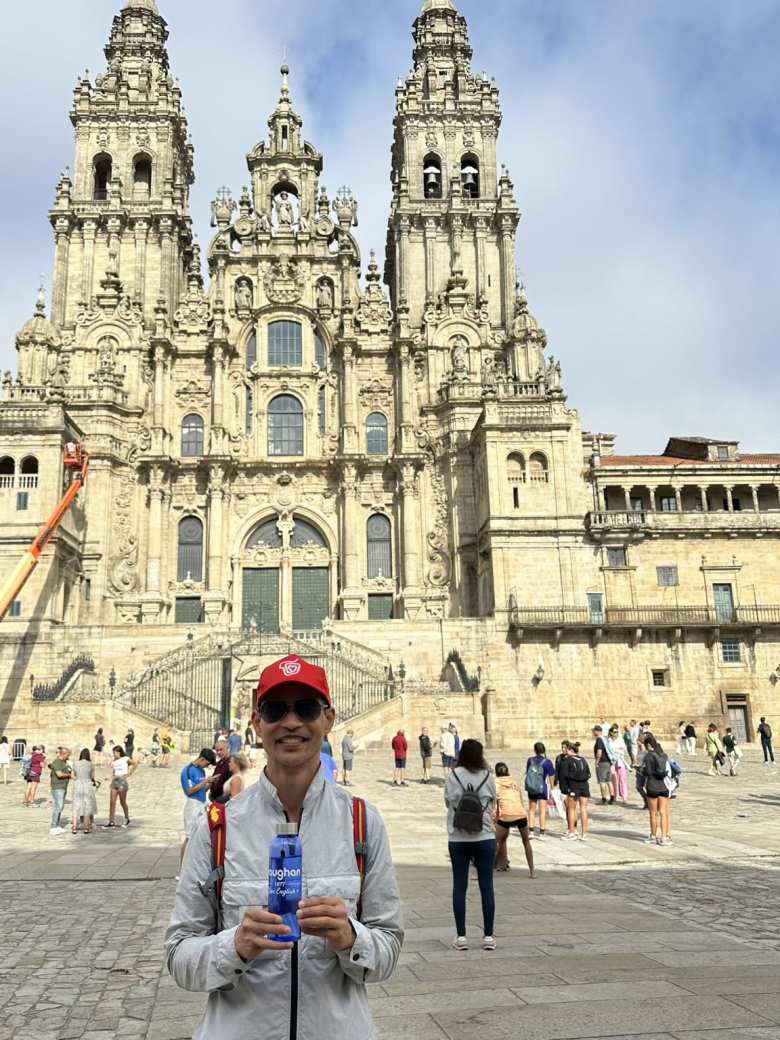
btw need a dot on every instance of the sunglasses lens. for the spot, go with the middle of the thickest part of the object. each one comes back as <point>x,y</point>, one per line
<point>273,711</point>
<point>308,710</point>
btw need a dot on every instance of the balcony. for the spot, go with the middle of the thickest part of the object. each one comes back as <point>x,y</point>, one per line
<point>640,617</point>
<point>647,522</point>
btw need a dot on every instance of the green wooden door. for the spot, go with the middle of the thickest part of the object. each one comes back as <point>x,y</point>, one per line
<point>724,603</point>
<point>311,599</point>
<point>261,599</point>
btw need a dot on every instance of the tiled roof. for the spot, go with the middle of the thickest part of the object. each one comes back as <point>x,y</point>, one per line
<point>668,460</point>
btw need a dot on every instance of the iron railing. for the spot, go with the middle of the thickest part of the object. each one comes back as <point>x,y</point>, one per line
<point>51,691</point>
<point>642,616</point>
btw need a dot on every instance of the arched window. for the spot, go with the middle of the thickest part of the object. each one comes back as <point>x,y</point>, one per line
<point>267,534</point>
<point>142,176</point>
<point>432,180</point>
<point>305,534</point>
<point>285,344</point>
<point>29,472</point>
<point>376,434</point>
<point>320,355</point>
<point>537,468</point>
<point>192,436</point>
<point>7,472</point>
<point>380,556</point>
<point>251,350</point>
<point>102,169</point>
<point>285,426</point>
<point>469,176</point>
<point>516,475</point>
<point>190,562</point>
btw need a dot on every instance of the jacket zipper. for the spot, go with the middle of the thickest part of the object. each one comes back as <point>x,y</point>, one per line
<point>294,967</point>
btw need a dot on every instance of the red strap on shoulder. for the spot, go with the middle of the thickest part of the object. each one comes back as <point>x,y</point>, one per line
<point>360,832</point>
<point>217,818</point>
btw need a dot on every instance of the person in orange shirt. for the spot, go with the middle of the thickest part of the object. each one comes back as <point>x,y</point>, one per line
<point>510,812</point>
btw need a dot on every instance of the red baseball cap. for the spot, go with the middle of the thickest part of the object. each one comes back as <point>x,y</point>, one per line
<point>293,671</point>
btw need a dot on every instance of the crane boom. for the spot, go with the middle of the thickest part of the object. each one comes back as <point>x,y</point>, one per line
<point>75,458</point>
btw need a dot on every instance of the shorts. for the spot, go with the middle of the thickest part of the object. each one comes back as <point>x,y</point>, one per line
<point>426,761</point>
<point>656,794</point>
<point>578,789</point>
<point>119,784</point>
<point>536,797</point>
<point>521,824</point>
<point>448,761</point>
<point>347,764</point>
<point>193,808</point>
<point>604,772</point>
<point>400,763</point>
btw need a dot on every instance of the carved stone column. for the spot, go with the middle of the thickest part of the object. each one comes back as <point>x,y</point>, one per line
<point>480,234</point>
<point>430,258</point>
<point>410,513</point>
<point>352,597</point>
<point>705,508</point>
<point>62,251</point>
<point>88,259</point>
<point>403,258</point>
<point>214,600</point>
<point>349,433</point>
<point>139,282</point>
<point>754,495</point>
<point>678,499</point>
<point>730,499</point>
<point>508,270</point>
<point>166,261</point>
<point>153,601</point>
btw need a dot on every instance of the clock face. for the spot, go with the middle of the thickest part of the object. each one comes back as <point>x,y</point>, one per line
<point>243,226</point>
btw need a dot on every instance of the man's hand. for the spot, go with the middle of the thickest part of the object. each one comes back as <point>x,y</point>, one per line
<point>327,917</point>
<point>250,938</point>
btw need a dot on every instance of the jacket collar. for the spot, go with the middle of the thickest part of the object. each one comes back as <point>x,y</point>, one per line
<point>269,792</point>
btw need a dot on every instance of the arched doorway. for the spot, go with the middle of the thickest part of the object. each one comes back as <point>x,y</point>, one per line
<point>287,572</point>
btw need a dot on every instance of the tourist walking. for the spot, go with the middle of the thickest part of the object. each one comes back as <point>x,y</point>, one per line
<point>84,788</point>
<point>166,747</point>
<point>33,772</point>
<point>258,987</point>
<point>659,786</point>
<point>603,766</point>
<point>156,748</point>
<point>238,765</point>
<point>235,743</point>
<point>122,768</point>
<point>508,813</point>
<point>713,747</point>
<point>400,750</point>
<point>194,784</point>
<point>100,743</point>
<point>765,733</point>
<point>130,743</point>
<point>249,738</point>
<point>5,758</point>
<point>61,775</point>
<point>470,795</point>
<point>616,750</point>
<point>539,770</point>
<point>733,754</point>
<point>348,749</point>
<point>447,748</point>
<point>221,770</point>
<point>639,776</point>
<point>573,777</point>
<point>426,754</point>
<point>690,738</point>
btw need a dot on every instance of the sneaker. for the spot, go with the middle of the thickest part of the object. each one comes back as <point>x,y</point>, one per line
<point>127,822</point>
<point>659,841</point>
<point>569,836</point>
<point>57,830</point>
<point>542,835</point>
<point>583,837</point>
<point>650,841</point>
<point>532,836</point>
<point>461,943</point>
<point>488,943</point>
<point>105,826</point>
<point>603,801</point>
<point>403,783</point>
<point>668,841</point>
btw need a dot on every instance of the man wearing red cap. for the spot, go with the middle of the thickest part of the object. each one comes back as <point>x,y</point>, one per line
<point>351,928</point>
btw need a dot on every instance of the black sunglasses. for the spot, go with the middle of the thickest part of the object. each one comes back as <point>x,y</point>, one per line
<point>308,709</point>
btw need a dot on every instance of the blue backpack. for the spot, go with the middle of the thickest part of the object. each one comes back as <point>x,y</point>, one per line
<point>534,779</point>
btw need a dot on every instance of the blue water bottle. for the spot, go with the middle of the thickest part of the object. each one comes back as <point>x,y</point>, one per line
<point>285,879</point>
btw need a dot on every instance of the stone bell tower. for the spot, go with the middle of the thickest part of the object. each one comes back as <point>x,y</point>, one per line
<point>123,212</point>
<point>453,217</point>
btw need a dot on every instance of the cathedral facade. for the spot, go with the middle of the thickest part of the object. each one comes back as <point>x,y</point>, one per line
<point>312,440</point>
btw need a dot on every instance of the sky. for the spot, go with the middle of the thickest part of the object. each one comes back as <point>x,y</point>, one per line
<point>643,139</point>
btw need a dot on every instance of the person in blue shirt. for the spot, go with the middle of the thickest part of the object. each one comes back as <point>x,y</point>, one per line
<point>194,784</point>
<point>234,742</point>
<point>539,770</point>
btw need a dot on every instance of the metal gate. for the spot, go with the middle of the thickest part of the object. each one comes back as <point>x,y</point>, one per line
<point>311,598</point>
<point>261,599</point>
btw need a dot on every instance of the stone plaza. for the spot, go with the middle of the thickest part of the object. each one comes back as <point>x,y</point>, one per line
<point>614,938</point>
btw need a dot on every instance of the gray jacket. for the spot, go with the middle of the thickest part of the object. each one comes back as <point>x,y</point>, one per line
<point>256,999</point>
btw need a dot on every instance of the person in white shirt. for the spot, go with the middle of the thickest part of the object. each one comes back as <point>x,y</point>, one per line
<point>122,768</point>
<point>5,758</point>
<point>447,748</point>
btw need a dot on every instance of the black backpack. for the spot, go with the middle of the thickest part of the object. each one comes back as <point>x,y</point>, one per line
<point>469,810</point>
<point>658,765</point>
<point>579,770</point>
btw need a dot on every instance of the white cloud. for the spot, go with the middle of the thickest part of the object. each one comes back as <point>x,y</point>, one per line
<point>644,141</point>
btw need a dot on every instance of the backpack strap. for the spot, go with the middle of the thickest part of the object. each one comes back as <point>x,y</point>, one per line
<point>217,820</point>
<point>360,833</point>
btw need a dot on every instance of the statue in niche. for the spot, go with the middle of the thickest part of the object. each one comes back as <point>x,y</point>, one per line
<point>285,214</point>
<point>325,296</point>
<point>112,267</point>
<point>460,357</point>
<point>244,295</point>
<point>304,224</point>
<point>263,223</point>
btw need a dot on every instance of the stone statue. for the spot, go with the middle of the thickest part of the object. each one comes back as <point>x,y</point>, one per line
<point>285,214</point>
<point>244,295</point>
<point>554,374</point>
<point>263,223</point>
<point>460,357</point>
<point>112,267</point>
<point>304,224</point>
<point>325,296</point>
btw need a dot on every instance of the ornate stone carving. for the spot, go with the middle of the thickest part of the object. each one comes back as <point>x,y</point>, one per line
<point>244,295</point>
<point>376,394</point>
<point>122,574</point>
<point>192,394</point>
<point>285,281</point>
<point>374,313</point>
<point>437,540</point>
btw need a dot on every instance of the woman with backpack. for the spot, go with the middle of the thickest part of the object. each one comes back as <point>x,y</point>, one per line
<point>470,795</point>
<point>33,773</point>
<point>573,776</point>
<point>508,813</point>
<point>538,769</point>
<point>659,785</point>
<point>713,746</point>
